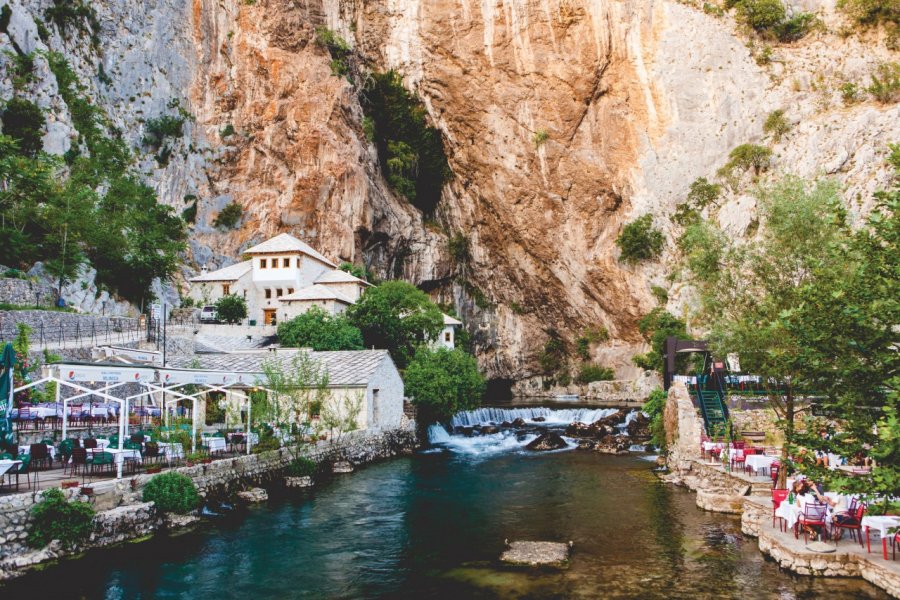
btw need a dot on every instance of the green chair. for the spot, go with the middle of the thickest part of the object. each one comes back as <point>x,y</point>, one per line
<point>65,450</point>
<point>22,469</point>
<point>102,460</point>
<point>5,456</point>
<point>132,445</point>
<point>114,441</point>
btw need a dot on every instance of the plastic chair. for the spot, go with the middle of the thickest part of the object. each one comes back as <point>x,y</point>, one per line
<point>21,469</point>
<point>90,444</point>
<point>778,496</point>
<point>813,516</point>
<point>79,459</point>
<point>102,460</point>
<point>40,454</point>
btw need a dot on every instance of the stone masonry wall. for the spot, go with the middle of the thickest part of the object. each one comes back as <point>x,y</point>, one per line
<point>122,515</point>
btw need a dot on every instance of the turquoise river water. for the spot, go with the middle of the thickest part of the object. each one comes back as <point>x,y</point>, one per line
<point>433,525</point>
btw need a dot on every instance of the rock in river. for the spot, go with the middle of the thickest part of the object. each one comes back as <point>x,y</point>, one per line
<point>518,422</point>
<point>489,429</point>
<point>547,441</point>
<point>539,419</point>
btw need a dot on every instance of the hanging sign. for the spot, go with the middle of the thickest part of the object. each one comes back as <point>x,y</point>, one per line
<point>105,373</point>
<point>200,377</point>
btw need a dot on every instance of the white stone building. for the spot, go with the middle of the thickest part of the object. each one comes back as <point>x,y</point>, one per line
<point>284,277</point>
<point>366,380</point>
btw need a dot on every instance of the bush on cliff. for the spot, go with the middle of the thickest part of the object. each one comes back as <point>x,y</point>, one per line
<point>54,518</point>
<point>640,240</point>
<point>172,493</point>
<point>443,382</point>
<point>654,409</point>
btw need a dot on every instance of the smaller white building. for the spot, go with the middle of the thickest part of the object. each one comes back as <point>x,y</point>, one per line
<point>447,339</point>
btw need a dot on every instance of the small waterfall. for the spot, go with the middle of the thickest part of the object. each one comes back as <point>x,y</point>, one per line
<point>558,416</point>
<point>437,434</point>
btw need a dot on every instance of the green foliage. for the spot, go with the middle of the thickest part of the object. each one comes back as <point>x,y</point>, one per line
<point>337,47</point>
<point>189,214</point>
<point>765,56</point>
<point>776,124</point>
<point>24,122</point>
<point>357,271</point>
<point>320,331</point>
<point>397,316</point>
<point>411,152</point>
<point>849,92</point>
<point>158,130</point>
<point>654,409</point>
<point>702,193</point>
<point>172,493</point>
<point>53,518</point>
<point>870,12</point>
<point>22,69</point>
<point>894,158</point>
<point>743,158</point>
<point>761,15</point>
<point>477,294</point>
<point>640,240</point>
<point>231,308</point>
<point>5,17</point>
<point>886,83</point>
<point>229,217</point>
<point>75,15</point>
<point>589,372</point>
<point>368,125</point>
<point>442,382</point>
<point>656,326</point>
<point>796,27</point>
<point>458,246</point>
<point>42,31</point>
<point>540,136</point>
<point>517,308</point>
<point>302,467</point>
<point>552,357</point>
<point>227,131</point>
<point>660,293</point>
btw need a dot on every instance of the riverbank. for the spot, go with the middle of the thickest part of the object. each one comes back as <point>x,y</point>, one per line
<point>123,516</point>
<point>750,497</point>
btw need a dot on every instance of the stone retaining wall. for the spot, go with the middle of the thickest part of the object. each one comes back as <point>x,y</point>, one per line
<point>122,515</point>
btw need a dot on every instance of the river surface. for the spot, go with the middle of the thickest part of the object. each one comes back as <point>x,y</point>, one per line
<point>433,525</point>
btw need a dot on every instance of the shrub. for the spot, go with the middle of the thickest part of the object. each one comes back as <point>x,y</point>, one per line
<point>229,217</point>
<point>302,467</point>
<point>588,373</point>
<point>868,12</point>
<point>24,122</point>
<point>74,14</point>
<point>553,355</point>
<point>337,47</point>
<point>849,92</point>
<point>744,157</point>
<point>761,15</point>
<point>357,271</point>
<point>189,214</point>
<point>231,308</point>
<point>765,56</point>
<point>791,30</point>
<point>320,331</point>
<point>886,83</point>
<point>776,124</point>
<point>22,69</point>
<point>640,240</point>
<point>660,293</point>
<point>540,136</point>
<point>656,326</point>
<point>442,382</point>
<point>458,246</point>
<point>53,518</point>
<point>701,194</point>
<point>410,151</point>
<point>156,131</point>
<point>654,409</point>
<point>172,493</point>
<point>228,130</point>
<point>5,17</point>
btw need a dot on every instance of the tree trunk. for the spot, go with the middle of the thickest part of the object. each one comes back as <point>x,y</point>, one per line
<point>788,434</point>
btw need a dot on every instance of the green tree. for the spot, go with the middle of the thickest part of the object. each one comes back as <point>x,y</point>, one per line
<point>24,122</point>
<point>442,382</point>
<point>172,493</point>
<point>231,308</point>
<point>229,217</point>
<point>398,317</point>
<point>54,518</point>
<point>656,326</point>
<point>749,291</point>
<point>640,240</point>
<point>357,271</point>
<point>654,408</point>
<point>320,331</point>
<point>761,14</point>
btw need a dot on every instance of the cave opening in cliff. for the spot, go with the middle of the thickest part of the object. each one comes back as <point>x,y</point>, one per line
<point>498,390</point>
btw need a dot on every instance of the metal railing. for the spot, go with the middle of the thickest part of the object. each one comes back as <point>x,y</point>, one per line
<point>121,330</point>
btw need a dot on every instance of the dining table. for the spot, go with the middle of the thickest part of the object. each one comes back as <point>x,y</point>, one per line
<point>7,464</point>
<point>759,462</point>
<point>885,525</point>
<point>26,449</point>
<point>171,450</point>
<point>215,444</point>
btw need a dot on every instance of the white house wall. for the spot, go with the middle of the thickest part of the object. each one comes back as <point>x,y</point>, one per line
<point>387,381</point>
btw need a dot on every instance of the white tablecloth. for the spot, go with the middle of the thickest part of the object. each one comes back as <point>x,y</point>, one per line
<point>27,450</point>
<point>759,461</point>
<point>121,455</point>
<point>101,411</point>
<point>881,524</point>
<point>102,443</point>
<point>215,444</point>
<point>171,450</point>
<point>791,512</point>
<point>707,446</point>
<point>6,465</point>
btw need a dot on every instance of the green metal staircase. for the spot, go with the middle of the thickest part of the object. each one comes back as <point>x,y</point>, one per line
<point>711,399</point>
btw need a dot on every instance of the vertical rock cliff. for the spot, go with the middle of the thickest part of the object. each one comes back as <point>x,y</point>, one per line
<point>562,120</point>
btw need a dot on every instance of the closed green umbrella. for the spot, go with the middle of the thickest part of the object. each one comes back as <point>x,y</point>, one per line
<point>7,362</point>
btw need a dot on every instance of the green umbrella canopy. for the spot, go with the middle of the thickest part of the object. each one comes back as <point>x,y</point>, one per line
<point>7,362</point>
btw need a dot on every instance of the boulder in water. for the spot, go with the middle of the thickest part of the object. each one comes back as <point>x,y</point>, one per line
<point>547,441</point>
<point>539,419</point>
<point>639,427</point>
<point>578,429</point>
<point>612,420</point>
<point>506,424</point>
<point>537,554</point>
<point>488,429</point>
<point>518,422</point>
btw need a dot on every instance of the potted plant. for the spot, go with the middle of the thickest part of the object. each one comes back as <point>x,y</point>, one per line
<point>153,469</point>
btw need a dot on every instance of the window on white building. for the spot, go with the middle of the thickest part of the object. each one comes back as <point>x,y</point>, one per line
<point>298,262</point>
<point>262,263</point>
<point>226,289</point>
<point>278,293</point>
<point>285,262</point>
<point>446,336</point>
<point>268,293</point>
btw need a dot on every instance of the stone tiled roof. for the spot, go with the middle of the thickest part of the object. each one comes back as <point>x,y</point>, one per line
<point>338,276</point>
<point>229,273</point>
<point>285,242</point>
<point>316,292</point>
<point>347,368</point>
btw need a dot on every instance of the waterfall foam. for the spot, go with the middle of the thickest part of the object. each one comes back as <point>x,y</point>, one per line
<point>558,416</point>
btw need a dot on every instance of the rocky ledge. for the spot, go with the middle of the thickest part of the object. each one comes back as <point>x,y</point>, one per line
<point>537,554</point>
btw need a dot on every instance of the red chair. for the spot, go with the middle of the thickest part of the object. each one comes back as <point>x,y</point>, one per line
<point>778,496</point>
<point>79,460</point>
<point>90,443</point>
<point>813,516</point>
<point>738,458</point>
<point>739,445</point>
<point>773,471</point>
<point>853,522</point>
<point>40,454</point>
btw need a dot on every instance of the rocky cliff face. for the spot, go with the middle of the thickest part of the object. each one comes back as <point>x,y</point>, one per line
<point>562,120</point>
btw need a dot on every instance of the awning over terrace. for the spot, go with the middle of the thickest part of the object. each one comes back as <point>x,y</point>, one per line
<point>169,383</point>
